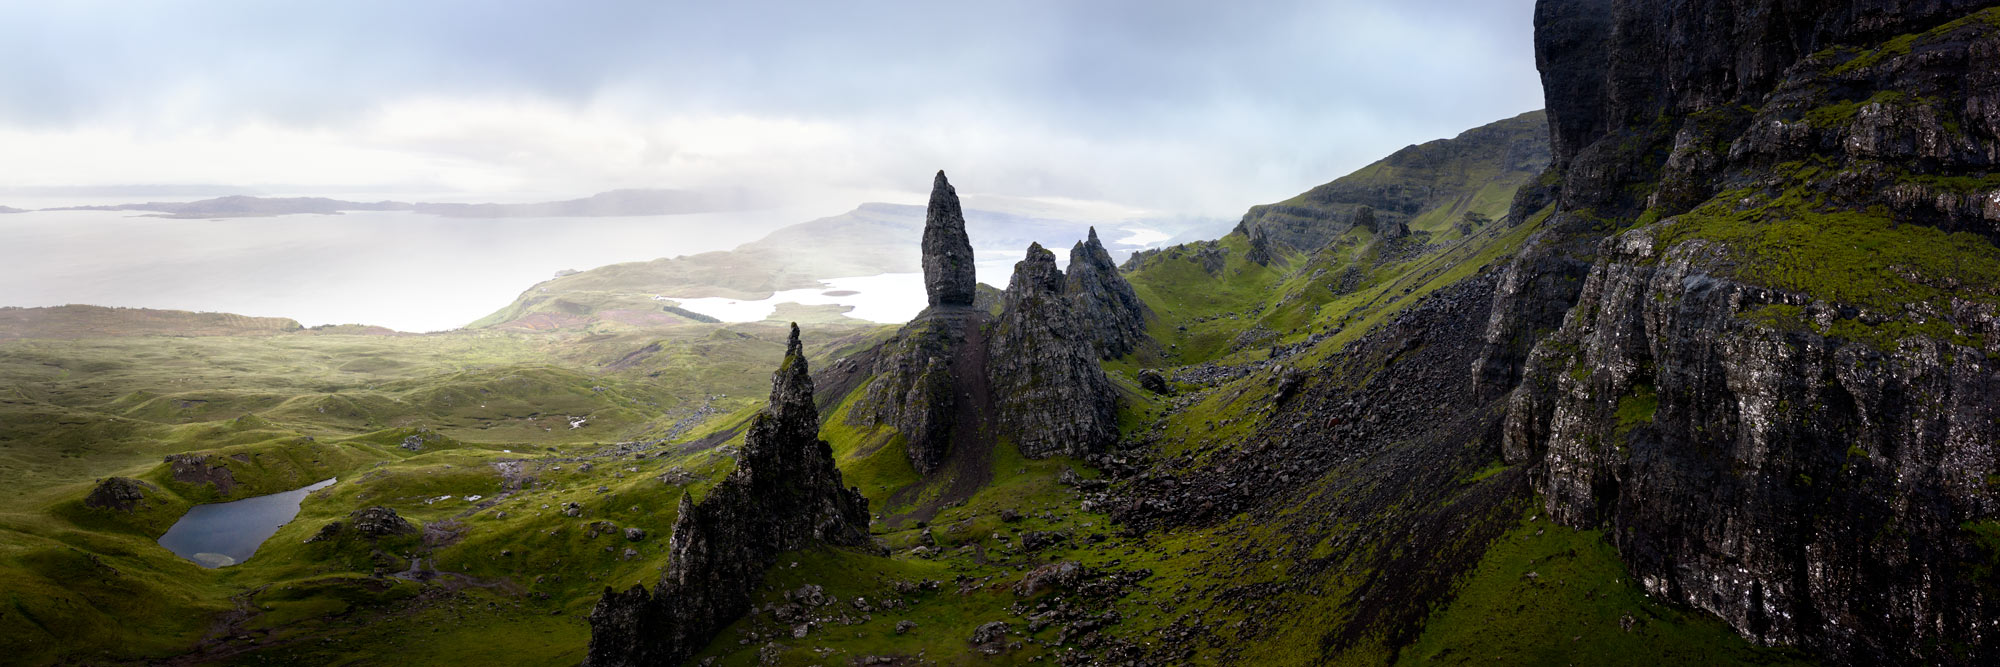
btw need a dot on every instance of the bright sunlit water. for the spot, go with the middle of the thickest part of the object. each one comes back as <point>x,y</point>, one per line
<point>888,298</point>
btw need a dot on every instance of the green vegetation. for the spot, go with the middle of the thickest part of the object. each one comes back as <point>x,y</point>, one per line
<point>1547,594</point>
<point>1841,113</point>
<point>281,411</point>
<point>1637,407</point>
<point>1795,242</point>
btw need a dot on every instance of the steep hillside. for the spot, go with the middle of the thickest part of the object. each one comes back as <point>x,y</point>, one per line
<point>1428,187</point>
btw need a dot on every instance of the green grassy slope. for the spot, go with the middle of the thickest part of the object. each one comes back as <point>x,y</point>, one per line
<point>1430,187</point>
<point>492,414</point>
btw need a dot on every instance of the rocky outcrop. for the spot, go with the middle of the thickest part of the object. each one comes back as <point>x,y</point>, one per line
<point>784,494</point>
<point>1798,443</point>
<point>372,523</point>
<point>199,469</point>
<point>118,493</point>
<point>1116,319</point>
<point>929,379</point>
<point>378,522</point>
<point>1808,489</point>
<point>948,270</point>
<point>1050,395</point>
<point>956,376</point>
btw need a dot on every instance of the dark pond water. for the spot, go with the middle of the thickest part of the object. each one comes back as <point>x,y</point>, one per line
<point>224,534</point>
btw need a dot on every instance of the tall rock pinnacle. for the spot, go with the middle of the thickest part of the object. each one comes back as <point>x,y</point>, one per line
<point>948,275</point>
<point>785,494</point>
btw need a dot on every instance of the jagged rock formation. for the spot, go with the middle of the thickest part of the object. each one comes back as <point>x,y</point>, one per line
<point>948,270</point>
<point>1050,395</point>
<point>118,493</point>
<point>955,374</point>
<point>785,494</point>
<point>1801,448</point>
<point>930,378</point>
<point>1116,319</point>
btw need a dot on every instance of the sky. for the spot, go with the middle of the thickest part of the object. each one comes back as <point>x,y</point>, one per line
<point>1189,108</point>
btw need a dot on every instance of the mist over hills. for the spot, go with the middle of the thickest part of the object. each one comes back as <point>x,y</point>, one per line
<point>632,202</point>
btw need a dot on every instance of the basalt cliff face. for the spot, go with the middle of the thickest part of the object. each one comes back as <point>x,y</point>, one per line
<point>959,376</point>
<point>785,494</point>
<point>1768,264</point>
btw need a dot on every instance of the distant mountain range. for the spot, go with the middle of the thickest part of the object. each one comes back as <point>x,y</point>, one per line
<point>603,204</point>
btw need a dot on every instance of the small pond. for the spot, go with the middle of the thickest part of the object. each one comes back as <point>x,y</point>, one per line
<point>224,534</point>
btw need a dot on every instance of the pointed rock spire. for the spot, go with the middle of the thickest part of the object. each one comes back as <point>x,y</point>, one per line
<point>784,494</point>
<point>1035,274</point>
<point>792,384</point>
<point>948,274</point>
<point>1111,314</point>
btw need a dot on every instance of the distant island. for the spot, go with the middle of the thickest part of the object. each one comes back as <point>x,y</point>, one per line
<point>604,204</point>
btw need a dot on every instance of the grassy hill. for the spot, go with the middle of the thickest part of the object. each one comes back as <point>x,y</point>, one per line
<point>1429,187</point>
<point>76,321</point>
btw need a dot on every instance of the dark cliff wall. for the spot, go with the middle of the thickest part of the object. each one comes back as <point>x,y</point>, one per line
<point>1755,337</point>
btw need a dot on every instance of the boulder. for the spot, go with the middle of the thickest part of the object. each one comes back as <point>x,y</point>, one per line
<point>118,493</point>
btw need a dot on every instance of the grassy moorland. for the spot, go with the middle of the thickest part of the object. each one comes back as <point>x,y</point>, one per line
<point>528,419</point>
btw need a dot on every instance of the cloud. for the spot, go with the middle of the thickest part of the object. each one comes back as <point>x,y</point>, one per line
<point>1186,107</point>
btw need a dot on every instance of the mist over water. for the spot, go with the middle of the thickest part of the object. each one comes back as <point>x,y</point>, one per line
<point>402,270</point>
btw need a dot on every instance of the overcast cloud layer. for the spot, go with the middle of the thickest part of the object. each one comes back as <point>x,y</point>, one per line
<point>1177,107</point>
